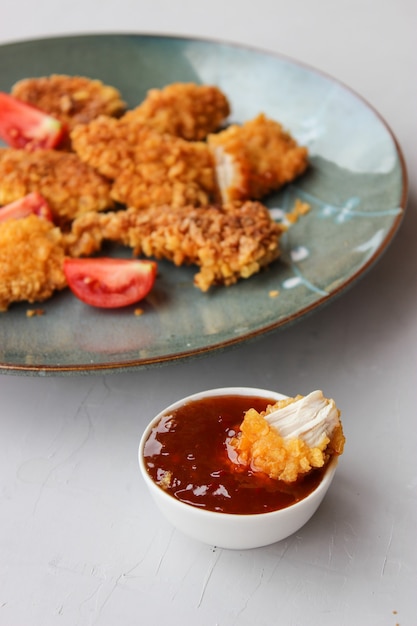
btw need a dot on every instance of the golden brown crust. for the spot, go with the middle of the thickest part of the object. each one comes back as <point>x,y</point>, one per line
<point>149,169</point>
<point>31,260</point>
<point>71,99</point>
<point>173,171</point>
<point>153,160</point>
<point>108,145</point>
<point>70,186</point>
<point>226,243</point>
<point>260,446</point>
<point>255,159</point>
<point>185,110</point>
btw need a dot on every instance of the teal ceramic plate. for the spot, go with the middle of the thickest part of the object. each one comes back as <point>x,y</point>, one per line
<point>356,187</point>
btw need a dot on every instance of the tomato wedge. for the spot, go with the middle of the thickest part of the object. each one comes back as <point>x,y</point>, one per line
<point>110,283</point>
<point>32,203</point>
<point>25,126</point>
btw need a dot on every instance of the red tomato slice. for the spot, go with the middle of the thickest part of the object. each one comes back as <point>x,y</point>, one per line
<point>25,126</point>
<point>32,203</point>
<point>110,283</point>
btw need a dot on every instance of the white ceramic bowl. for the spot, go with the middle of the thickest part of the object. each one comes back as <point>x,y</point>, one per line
<point>227,530</point>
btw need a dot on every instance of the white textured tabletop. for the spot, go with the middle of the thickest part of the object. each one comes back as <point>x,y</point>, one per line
<point>81,542</point>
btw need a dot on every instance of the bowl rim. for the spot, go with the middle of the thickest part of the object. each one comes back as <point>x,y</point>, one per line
<point>205,513</point>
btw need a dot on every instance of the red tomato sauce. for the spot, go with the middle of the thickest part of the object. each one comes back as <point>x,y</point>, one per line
<point>190,443</point>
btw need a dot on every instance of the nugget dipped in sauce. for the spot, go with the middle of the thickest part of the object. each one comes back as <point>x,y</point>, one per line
<point>289,438</point>
<point>255,159</point>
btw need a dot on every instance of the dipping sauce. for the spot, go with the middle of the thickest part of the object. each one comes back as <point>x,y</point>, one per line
<point>186,454</point>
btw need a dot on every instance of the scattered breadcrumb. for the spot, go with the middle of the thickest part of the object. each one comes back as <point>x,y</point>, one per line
<point>68,185</point>
<point>138,312</point>
<point>255,159</point>
<point>165,479</point>
<point>226,243</point>
<point>186,110</point>
<point>71,99</point>
<point>34,312</point>
<point>299,209</point>
<point>273,293</point>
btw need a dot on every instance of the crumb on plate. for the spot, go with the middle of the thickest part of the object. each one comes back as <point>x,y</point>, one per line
<point>299,209</point>
<point>34,312</point>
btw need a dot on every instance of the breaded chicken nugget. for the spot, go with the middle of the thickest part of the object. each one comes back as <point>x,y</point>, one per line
<point>256,158</point>
<point>70,186</point>
<point>108,145</point>
<point>31,259</point>
<point>71,99</point>
<point>291,437</point>
<point>169,171</point>
<point>148,169</point>
<point>226,243</point>
<point>186,110</point>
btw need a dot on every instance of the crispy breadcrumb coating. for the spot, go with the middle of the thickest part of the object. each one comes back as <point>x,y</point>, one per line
<point>148,169</point>
<point>68,185</point>
<point>186,110</point>
<point>71,99</point>
<point>170,171</point>
<point>256,158</point>
<point>260,446</point>
<point>108,145</point>
<point>31,260</point>
<point>226,243</point>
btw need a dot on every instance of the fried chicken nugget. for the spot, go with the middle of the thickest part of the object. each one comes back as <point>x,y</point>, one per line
<point>108,145</point>
<point>256,158</point>
<point>170,171</point>
<point>71,99</point>
<point>226,243</point>
<point>185,110</point>
<point>70,186</point>
<point>31,260</point>
<point>290,438</point>
<point>148,169</point>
